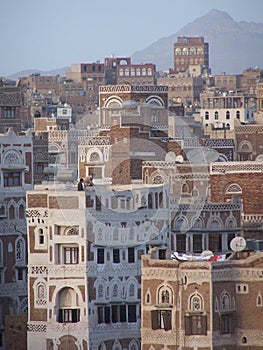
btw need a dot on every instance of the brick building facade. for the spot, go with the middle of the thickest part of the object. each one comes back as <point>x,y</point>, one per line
<point>202,304</point>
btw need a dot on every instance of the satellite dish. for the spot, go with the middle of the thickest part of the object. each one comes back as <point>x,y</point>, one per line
<point>170,157</point>
<point>202,155</point>
<point>179,159</point>
<point>259,158</point>
<point>238,244</point>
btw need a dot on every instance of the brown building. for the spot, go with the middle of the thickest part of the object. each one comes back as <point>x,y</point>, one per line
<point>194,305</point>
<point>10,108</point>
<point>40,83</point>
<point>260,96</point>
<point>190,51</point>
<point>121,71</point>
<point>227,82</point>
<point>182,88</point>
<point>249,142</point>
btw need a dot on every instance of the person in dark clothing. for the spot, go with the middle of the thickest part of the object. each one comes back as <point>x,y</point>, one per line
<point>80,185</point>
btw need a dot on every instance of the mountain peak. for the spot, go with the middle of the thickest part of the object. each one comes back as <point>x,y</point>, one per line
<point>218,14</point>
<point>234,46</point>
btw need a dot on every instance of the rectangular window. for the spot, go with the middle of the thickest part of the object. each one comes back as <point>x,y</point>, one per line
<point>162,254</point>
<point>131,256</point>
<point>98,203</point>
<point>39,168</point>
<point>12,179</point>
<point>197,243</point>
<point>215,244</point>
<point>71,255</point>
<point>123,313</point>
<point>20,274</point>
<point>114,314</point>
<point>226,324</point>
<point>132,317</point>
<point>100,314</point>
<point>69,315</point>
<point>116,256</point>
<point>195,325</point>
<point>161,319</point>
<point>180,243</point>
<point>107,314</point>
<point>9,112</point>
<point>100,256</point>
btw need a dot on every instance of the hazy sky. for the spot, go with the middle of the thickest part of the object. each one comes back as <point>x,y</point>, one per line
<point>51,34</point>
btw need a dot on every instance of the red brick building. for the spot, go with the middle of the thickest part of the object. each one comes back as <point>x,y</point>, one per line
<point>190,51</point>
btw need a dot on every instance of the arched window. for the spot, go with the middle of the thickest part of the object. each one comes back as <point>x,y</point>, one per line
<point>149,71</point>
<point>121,72</point>
<point>178,51</point>
<point>165,295</point>
<point>206,115</point>
<point>133,345</point>
<point>227,115</point>
<point>94,157</point>
<point>131,234</point>
<point>115,291</point>
<point>68,306</point>
<point>244,340</point>
<point>41,237</point>
<point>144,71</point>
<point>116,345</point>
<point>132,290</point>
<point>158,179</point>
<point>185,51</point>
<point>238,114</point>
<point>115,234</point>
<point>100,291</point>
<point>11,212</point>
<point>148,298</point>
<point>41,291</point>
<point>225,304</point>
<point>132,72</point>
<point>150,201</point>
<point>216,115</point>
<point>20,249</point>
<point>196,303</point>
<point>180,223</point>
<point>214,224</point>
<point>234,189</point>
<point>21,211</point>
<point>138,71</point>
<point>127,72</point>
<point>185,188</point>
<point>259,299</point>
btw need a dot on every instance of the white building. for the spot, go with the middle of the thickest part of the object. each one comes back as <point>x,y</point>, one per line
<point>220,110</point>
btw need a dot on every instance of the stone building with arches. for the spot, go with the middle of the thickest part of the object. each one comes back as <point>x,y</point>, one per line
<point>249,142</point>
<point>202,304</point>
<point>84,275</point>
<point>16,177</point>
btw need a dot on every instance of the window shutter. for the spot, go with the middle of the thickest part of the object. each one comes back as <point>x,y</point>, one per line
<point>204,325</point>
<point>188,325</point>
<point>60,315</point>
<point>75,315</point>
<point>168,320</point>
<point>154,316</point>
<point>233,323</point>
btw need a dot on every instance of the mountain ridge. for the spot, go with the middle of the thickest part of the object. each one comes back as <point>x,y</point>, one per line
<point>233,46</point>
